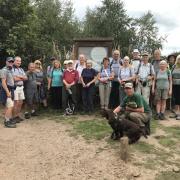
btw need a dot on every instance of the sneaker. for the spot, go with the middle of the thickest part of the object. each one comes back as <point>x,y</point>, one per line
<point>20,119</point>
<point>173,116</point>
<point>9,124</point>
<point>162,117</point>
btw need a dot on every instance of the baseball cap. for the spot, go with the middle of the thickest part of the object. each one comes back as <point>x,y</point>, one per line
<point>135,51</point>
<point>9,59</point>
<point>128,85</point>
<point>145,53</point>
<point>70,62</point>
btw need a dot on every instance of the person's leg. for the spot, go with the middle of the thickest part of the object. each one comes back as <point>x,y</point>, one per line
<point>53,97</point>
<point>90,97</point>
<point>107,95</point>
<point>138,118</point>
<point>102,95</point>
<point>84,98</point>
<point>121,93</point>
<point>138,88</point>
<point>114,96</point>
<point>146,93</point>
<point>163,108</point>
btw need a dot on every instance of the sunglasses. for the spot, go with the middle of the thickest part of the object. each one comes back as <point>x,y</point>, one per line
<point>10,61</point>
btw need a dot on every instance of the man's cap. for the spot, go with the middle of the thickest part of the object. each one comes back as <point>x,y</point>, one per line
<point>135,51</point>
<point>145,53</point>
<point>65,62</point>
<point>9,59</point>
<point>70,62</point>
<point>128,85</point>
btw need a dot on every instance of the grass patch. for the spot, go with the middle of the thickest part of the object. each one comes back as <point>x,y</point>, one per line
<point>167,142</point>
<point>172,131</point>
<point>144,147</point>
<point>95,129</point>
<point>168,175</point>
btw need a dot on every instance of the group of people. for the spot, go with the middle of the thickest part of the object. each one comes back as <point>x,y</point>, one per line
<point>130,84</point>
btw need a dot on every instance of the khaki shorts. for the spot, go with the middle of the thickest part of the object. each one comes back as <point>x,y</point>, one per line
<point>19,93</point>
<point>161,94</point>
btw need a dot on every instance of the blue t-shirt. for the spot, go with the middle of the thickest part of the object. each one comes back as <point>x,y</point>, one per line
<point>56,77</point>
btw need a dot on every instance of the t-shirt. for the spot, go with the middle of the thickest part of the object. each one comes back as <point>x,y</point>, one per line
<point>176,76</point>
<point>71,76</point>
<point>18,71</point>
<point>145,70</point>
<point>88,75</point>
<point>125,72</point>
<point>135,63</point>
<point>30,83</point>
<point>40,76</point>
<point>155,64</point>
<point>56,76</point>
<point>162,79</point>
<point>135,101</point>
<point>8,75</point>
<point>79,68</point>
<point>105,72</point>
<point>115,65</point>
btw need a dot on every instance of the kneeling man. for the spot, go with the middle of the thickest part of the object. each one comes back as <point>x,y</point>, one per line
<point>135,108</point>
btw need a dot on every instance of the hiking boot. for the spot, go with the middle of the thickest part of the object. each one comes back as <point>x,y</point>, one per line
<point>27,115</point>
<point>173,116</point>
<point>162,117</point>
<point>9,124</point>
<point>13,121</point>
<point>157,117</point>
<point>17,119</point>
<point>34,113</point>
<point>178,117</point>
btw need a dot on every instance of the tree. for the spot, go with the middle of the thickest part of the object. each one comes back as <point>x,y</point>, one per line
<point>15,18</point>
<point>110,20</point>
<point>146,33</point>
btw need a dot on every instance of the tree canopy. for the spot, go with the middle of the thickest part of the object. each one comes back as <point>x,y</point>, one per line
<point>44,28</point>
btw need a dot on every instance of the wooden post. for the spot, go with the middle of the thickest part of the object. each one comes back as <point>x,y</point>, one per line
<point>124,148</point>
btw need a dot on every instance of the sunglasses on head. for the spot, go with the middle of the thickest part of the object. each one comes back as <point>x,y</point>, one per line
<point>38,63</point>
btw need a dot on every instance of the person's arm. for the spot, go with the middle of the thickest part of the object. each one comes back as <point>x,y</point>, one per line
<point>82,81</point>
<point>4,85</point>
<point>111,76</point>
<point>170,85</point>
<point>94,80</point>
<point>49,83</point>
<point>117,110</point>
<point>153,84</point>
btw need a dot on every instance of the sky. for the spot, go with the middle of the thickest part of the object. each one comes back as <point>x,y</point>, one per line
<point>166,12</point>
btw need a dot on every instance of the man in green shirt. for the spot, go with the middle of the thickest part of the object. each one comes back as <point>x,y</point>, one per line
<point>134,107</point>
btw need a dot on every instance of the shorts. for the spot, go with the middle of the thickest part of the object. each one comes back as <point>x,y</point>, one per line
<point>31,97</point>
<point>3,96</point>
<point>19,93</point>
<point>161,94</point>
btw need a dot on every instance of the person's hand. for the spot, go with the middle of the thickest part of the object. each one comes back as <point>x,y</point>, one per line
<point>128,108</point>
<point>83,84</point>
<point>149,77</point>
<point>88,84</point>
<point>8,94</point>
<point>170,93</point>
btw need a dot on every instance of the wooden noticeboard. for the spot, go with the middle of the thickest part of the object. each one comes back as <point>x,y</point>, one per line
<point>93,48</point>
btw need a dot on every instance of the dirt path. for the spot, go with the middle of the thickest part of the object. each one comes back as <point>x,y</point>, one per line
<point>43,150</point>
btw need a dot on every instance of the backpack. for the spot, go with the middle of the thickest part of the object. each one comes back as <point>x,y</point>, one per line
<point>120,62</point>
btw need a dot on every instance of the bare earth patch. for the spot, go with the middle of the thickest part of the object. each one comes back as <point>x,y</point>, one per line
<point>46,150</point>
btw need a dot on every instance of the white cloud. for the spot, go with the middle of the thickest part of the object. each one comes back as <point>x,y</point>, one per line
<point>166,14</point>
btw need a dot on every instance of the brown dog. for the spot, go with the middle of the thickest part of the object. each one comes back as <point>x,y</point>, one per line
<point>123,127</point>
